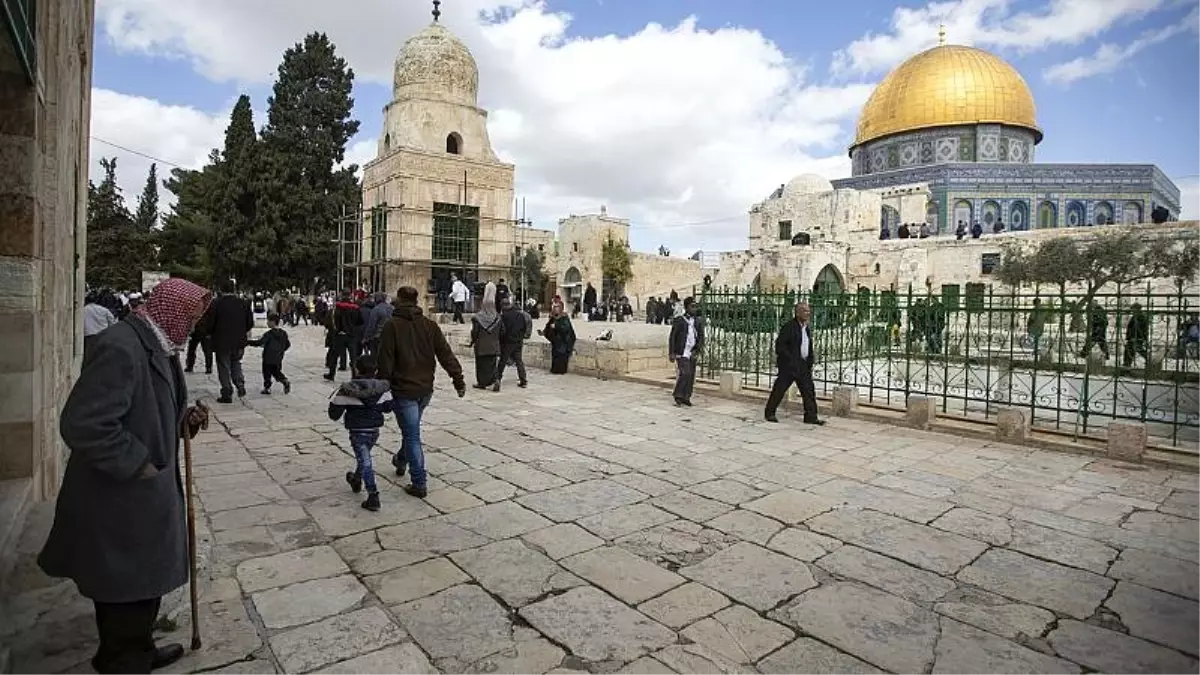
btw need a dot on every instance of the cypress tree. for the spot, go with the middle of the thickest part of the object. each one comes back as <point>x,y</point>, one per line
<point>187,234</point>
<point>244,244</point>
<point>308,125</point>
<point>111,233</point>
<point>145,222</point>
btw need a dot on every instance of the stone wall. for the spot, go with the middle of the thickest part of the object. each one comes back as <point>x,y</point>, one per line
<point>43,199</point>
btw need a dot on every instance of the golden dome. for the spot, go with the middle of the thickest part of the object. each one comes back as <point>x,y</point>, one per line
<point>944,86</point>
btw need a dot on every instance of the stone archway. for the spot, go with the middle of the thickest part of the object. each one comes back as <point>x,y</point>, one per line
<point>829,281</point>
<point>572,287</point>
<point>991,213</point>
<point>1047,216</point>
<point>1076,214</point>
<point>1104,214</point>
<point>963,213</point>
<point>1018,216</point>
<point>1131,213</point>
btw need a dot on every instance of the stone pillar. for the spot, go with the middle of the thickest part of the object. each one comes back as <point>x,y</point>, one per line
<point>731,384</point>
<point>1012,424</point>
<point>921,412</point>
<point>1126,440</point>
<point>845,401</point>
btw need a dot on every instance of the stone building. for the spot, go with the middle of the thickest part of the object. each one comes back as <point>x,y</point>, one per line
<point>962,121</point>
<point>45,87</point>
<point>437,200</point>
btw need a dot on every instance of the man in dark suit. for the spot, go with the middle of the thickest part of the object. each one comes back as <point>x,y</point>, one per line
<point>684,346</point>
<point>228,323</point>
<point>795,356</point>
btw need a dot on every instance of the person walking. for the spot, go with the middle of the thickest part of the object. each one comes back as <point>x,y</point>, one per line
<point>364,401</point>
<point>380,313</point>
<point>274,343</point>
<point>228,323</point>
<point>458,295</point>
<point>487,330</point>
<point>517,328</point>
<point>502,293</point>
<point>344,321</point>
<point>683,347</point>
<point>411,346</point>
<point>794,357</point>
<point>1137,336</point>
<point>561,335</point>
<point>589,300</point>
<point>119,524</point>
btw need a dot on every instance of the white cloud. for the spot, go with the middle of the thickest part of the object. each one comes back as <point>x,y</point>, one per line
<point>670,126</point>
<point>1109,57</point>
<point>179,135</point>
<point>986,23</point>
<point>1189,197</point>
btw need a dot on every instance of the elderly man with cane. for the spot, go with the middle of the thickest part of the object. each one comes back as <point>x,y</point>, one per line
<point>119,525</point>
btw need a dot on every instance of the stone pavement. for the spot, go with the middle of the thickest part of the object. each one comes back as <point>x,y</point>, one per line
<point>589,525</point>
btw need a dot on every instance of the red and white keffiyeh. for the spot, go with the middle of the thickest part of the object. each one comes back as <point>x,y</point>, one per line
<point>175,306</point>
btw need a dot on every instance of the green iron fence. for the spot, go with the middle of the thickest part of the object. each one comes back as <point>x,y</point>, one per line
<point>1075,364</point>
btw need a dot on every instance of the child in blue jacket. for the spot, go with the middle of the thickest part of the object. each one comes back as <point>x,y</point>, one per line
<point>363,402</point>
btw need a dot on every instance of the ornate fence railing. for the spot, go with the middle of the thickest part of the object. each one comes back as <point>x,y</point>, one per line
<point>1075,363</point>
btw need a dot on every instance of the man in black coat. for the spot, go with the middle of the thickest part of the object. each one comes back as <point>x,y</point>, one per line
<point>795,356</point>
<point>228,323</point>
<point>119,524</point>
<point>684,345</point>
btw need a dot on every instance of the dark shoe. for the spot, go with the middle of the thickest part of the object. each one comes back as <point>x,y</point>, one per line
<point>188,370</point>
<point>287,387</point>
<point>415,491</point>
<point>224,399</point>
<point>770,417</point>
<point>241,392</point>
<point>355,481</point>
<point>678,402</point>
<point>342,368</point>
<point>372,502</point>
<point>166,655</point>
<point>685,402</point>
<point>522,384</point>
<point>328,376</point>
<point>208,371</point>
<point>479,386</point>
<point>496,387</point>
<point>266,391</point>
<point>819,423</point>
<point>400,466</point>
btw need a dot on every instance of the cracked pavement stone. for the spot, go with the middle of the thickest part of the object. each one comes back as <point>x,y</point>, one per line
<point>514,571</point>
<point>597,627</point>
<point>752,575</point>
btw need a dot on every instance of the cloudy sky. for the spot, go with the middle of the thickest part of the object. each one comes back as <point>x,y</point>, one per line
<point>677,114</point>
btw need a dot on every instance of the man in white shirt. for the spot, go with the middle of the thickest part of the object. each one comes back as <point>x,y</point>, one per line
<point>795,356</point>
<point>683,348</point>
<point>458,295</point>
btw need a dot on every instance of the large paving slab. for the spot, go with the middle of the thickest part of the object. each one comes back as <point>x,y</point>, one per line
<point>587,525</point>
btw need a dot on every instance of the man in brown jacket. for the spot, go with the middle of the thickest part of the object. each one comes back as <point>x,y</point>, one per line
<point>409,348</point>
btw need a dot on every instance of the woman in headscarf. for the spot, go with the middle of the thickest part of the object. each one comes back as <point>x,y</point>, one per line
<point>561,335</point>
<point>119,526</point>
<point>486,330</point>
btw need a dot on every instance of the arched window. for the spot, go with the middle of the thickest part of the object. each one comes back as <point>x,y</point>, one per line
<point>1131,213</point>
<point>1018,216</point>
<point>1075,214</point>
<point>387,141</point>
<point>991,213</point>
<point>454,143</point>
<point>1047,215</point>
<point>1104,214</point>
<point>962,213</point>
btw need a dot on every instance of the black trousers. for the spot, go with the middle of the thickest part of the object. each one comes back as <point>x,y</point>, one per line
<point>339,348</point>
<point>685,378</point>
<point>126,636</point>
<point>205,344</point>
<point>229,371</point>
<point>273,370</point>
<point>458,312</point>
<point>511,352</point>
<point>804,382</point>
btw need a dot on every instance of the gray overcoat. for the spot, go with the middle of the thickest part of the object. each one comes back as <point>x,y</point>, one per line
<point>122,537</point>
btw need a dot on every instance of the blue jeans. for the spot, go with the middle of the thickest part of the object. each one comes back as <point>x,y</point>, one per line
<point>362,440</point>
<point>408,415</point>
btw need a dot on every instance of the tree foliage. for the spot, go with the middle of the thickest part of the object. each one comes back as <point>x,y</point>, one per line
<point>144,253</point>
<point>615,264</point>
<point>111,235</point>
<point>1116,257</point>
<point>186,238</point>
<point>532,263</point>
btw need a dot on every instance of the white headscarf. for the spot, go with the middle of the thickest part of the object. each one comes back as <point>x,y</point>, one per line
<point>486,314</point>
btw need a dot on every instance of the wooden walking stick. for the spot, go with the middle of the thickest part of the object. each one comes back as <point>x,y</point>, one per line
<point>191,521</point>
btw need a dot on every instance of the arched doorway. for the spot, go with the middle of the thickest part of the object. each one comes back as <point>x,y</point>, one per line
<point>1047,216</point>
<point>454,143</point>
<point>829,281</point>
<point>1104,214</point>
<point>889,221</point>
<point>931,216</point>
<point>1018,216</point>
<point>1075,214</point>
<point>991,213</point>
<point>826,297</point>
<point>1131,213</point>
<point>962,213</point>
<point>572,287</point>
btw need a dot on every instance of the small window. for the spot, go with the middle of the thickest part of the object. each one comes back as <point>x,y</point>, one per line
<point>876,268</point>
<point>575,247</point>
<point>454,144</point>
<point>387,141</point>
<point>541,248</point>
<point>989,263</point>
<point>785,230</point>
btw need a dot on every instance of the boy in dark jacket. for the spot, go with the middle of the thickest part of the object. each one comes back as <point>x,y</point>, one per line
<point>363,401</point>
<point>274,343</point>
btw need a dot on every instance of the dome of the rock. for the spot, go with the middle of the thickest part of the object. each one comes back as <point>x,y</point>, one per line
<point>948,85</point>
